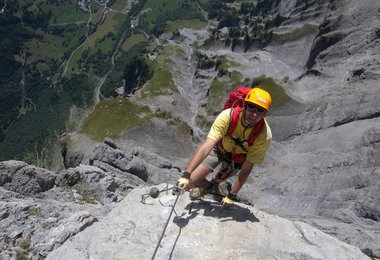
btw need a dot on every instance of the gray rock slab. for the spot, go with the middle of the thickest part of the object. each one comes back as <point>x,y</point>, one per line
<point>25,179</point>
<point>333,174</point>
<point>132,231</point>
<point>71,226</point>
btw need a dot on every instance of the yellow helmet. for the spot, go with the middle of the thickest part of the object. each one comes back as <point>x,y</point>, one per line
<point>259,97</point>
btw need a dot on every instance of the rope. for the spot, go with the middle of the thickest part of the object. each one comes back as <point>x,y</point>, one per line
<point>166,225</point>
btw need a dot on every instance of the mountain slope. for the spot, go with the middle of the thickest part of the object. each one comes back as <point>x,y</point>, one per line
<point>319,60</point>
<point>323,166</point>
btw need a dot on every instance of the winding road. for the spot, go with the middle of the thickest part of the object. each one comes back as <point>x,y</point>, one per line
<point>101,18</point>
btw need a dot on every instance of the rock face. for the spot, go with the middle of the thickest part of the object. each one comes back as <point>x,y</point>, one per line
<point>40,209</point>
<point>74,148</point>
<point>25,179</point>
<point>322,168</point>
<point>327,179</point>
<point>199,230</point>
<point>327,171</point>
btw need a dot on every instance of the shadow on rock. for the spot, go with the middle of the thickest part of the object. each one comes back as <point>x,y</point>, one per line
<point>213,209</point>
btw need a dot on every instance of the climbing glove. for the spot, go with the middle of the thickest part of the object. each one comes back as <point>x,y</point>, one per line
<point>228,201</point>
<point>184,181</point>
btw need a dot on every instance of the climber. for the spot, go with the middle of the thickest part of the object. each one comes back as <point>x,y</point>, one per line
<point>238,139</point>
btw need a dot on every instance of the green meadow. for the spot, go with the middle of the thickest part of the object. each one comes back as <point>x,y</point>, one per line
<point>112,117</point>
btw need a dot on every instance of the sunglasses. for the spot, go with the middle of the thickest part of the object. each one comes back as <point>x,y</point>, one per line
<point>254,109</point>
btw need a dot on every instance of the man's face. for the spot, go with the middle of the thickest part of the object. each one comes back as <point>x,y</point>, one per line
<point>253,113</point>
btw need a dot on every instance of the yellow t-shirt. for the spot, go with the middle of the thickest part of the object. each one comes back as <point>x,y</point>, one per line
<point>255,152</point>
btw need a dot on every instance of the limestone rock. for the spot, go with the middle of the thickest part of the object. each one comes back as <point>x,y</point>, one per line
<point>75,147</point>
<point>199,230</point>
<point>70,227</point>
<point>25,179</point>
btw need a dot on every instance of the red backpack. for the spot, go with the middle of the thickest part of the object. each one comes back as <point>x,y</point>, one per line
<point>236,98</point>
<point>236,101</point>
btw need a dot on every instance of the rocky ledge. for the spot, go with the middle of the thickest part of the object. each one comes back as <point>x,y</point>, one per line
<point>199,230</point>
<point>102,210</point>
<point>41,209</point>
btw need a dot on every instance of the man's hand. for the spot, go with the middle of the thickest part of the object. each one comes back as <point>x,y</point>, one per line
<point>228,201</point>
<point>184,181</point>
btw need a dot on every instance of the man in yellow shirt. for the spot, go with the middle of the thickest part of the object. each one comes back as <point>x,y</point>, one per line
<point>239,138</point>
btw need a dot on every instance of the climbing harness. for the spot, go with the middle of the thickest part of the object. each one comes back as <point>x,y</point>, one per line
<point>154,192</point>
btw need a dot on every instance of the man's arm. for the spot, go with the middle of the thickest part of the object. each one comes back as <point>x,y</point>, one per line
<point>244,172</point>
<point>217,131</point>
<point>202,152</point>
<point>195,175</point>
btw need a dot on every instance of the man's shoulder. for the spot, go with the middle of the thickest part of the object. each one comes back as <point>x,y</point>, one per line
<point>225,114</point>
<point>266,131</point>
<point>226,111</point>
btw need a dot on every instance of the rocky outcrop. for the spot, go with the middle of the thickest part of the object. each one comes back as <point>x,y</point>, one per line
<point>69,227</point>
<point>75,147</point>
<point>142,164</point>
<point>41,209</point>
<point>80,209</point>
<point>25,179</point>
<point>322,43</point>
<point>240,232</point>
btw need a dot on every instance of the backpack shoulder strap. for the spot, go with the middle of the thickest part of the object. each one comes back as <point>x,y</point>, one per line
<point>255,132</point>
<point>234,117</point>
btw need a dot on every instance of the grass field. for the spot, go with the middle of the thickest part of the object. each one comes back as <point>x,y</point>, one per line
<point>43,50</point>
<point>68,12</point>
<point>52,47</point>
<point>194,24</point>
<point>162,77</point>
<point>96,11</point>
<point>133,40</point>
<point>119,5</point>
<point>159,7</point>
<point>111,24</point>
<point>112,117</point>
